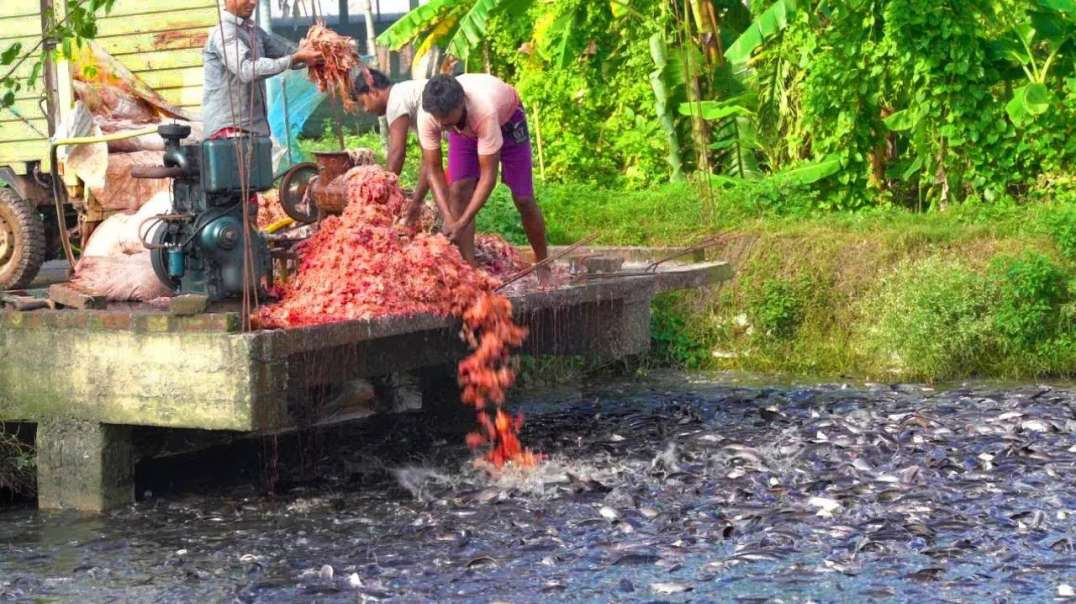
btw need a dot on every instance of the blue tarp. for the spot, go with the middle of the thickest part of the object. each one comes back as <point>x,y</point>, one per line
<point>302,99</point>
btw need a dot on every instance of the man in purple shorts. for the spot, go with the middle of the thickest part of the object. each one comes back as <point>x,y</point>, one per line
<point>486,126</point>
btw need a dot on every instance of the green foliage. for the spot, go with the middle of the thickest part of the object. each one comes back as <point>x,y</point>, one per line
<point>1062,227</point>
<point>667,80</point>
<point>17,463</point>
<point>922,101</point>
<point>78,25</point>
<point>675,340</point>
<point>842,97</point>
<point>942,319</point>
<point>933,318</point>
<point>501,216</point>
<point>777,308</point>
<point>587,134</point>
<point>768,24</point>
<point>457,26</point>
<point>1032,291</point>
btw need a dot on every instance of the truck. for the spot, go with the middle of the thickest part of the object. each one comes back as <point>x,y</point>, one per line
<point>160,41</point>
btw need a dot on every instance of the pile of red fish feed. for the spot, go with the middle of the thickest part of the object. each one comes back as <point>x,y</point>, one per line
<point>269,208</point>
<point>341,58</point>
<point>364,264</point>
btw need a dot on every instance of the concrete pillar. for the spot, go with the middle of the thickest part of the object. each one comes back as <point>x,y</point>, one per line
<point>83,466</point>
<point>441,403</point>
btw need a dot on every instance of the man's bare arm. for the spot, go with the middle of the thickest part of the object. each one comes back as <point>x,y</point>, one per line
<point>398,144</point>
<point>435,172</point>
<point>487,179</point>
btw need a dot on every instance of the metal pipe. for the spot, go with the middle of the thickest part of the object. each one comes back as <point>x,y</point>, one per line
<point>104,138</point>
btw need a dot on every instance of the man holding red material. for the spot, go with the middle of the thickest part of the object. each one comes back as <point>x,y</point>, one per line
<point>487,129</point>
<point>238,57</point>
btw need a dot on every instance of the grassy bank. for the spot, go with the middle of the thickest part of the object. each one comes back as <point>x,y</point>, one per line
<point>976,290</point>
<point>882,294</point>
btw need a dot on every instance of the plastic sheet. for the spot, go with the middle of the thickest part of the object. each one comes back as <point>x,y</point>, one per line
<point>293,91</point>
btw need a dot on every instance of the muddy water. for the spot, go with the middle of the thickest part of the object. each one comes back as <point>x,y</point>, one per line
<point>678,488</point>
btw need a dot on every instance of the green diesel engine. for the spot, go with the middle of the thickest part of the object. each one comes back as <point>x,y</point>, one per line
<point>199,247</point>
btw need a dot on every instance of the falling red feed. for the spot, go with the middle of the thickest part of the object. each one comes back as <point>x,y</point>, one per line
<point>341,58</point>
<point>363,264</point>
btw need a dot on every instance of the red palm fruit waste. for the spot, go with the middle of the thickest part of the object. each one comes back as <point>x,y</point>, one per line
<point>341,58</point>
<point>364,264</point>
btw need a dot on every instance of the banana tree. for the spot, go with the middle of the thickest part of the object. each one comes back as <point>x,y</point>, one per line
<point>459,27</point>
<point>1037,44</point>
<point>767,25</point>
<point>733,129</point>
<point>667,82</point>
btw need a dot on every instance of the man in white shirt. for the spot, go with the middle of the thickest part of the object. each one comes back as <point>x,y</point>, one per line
<point>400,103</point>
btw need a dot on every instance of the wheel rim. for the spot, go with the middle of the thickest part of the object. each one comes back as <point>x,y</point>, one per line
<point>293,193</point>
<point>7,242</point>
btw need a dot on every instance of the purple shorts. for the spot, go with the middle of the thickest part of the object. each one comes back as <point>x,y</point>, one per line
<point>516,164</point>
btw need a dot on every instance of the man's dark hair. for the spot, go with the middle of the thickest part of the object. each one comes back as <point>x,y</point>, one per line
<point>361,86</point>
<point>441,95</point>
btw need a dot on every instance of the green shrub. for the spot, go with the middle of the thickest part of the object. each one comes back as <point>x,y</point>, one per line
<point>1034,314</point>
<point>778,306</point>
<point>675,337</point>
<point>932,319</point>
<point>1031,292</point>
<point>1062,227</point>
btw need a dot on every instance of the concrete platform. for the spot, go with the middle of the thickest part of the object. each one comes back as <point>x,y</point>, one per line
<point>84,375</point>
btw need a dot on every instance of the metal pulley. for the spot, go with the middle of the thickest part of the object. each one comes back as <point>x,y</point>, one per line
<point>294,193</point>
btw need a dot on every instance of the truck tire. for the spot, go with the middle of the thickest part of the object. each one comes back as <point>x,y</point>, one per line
<point>22,241</point>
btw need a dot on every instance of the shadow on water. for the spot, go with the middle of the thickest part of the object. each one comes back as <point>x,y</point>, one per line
<point>677,488</point>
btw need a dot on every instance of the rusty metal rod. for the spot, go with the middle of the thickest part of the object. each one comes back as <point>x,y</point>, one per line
<point>705,243</point>
<point>549,260</point>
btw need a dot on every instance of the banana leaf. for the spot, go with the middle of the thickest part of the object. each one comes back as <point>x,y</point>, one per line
<point>667,81</point>
<point>810,172</point>
<point>416,23</point>
<point>472,29</point>
<point>771,22</point>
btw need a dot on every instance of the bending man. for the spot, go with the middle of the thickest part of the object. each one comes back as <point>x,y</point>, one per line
<point>400,103</point>
<point>487,129</point>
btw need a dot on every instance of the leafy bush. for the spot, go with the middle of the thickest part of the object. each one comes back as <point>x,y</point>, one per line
<point>939,318</point>
<point>674,334</point>
<point>1062,227</point>
<point>1031,292</point>
<point>778,306</point>
<point>933,319</point>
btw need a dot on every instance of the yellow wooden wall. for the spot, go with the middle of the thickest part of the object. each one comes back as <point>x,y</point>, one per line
<point>159,40</point>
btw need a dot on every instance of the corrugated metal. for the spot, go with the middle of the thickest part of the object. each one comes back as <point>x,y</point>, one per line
<point>158,40</point>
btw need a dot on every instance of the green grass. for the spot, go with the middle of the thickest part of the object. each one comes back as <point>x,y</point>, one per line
<point>17,462</point>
